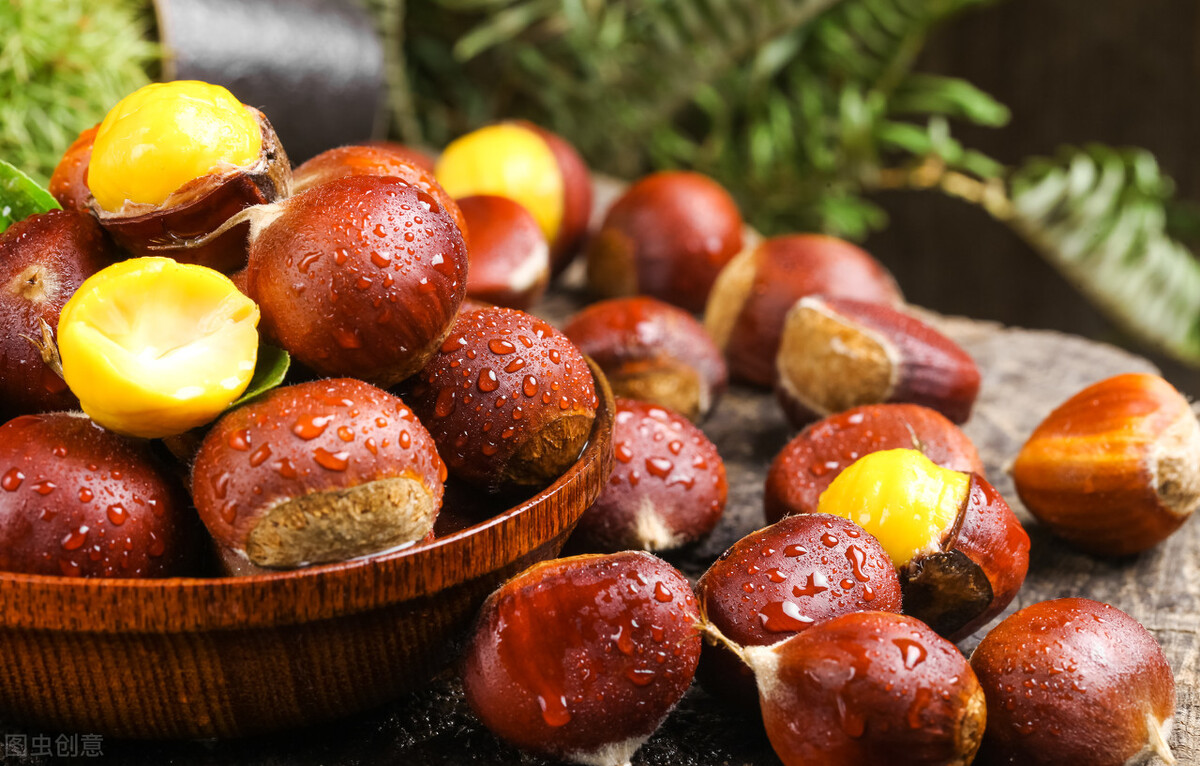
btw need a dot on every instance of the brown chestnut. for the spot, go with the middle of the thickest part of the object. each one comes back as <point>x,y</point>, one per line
<point>836,353</point>
<point>667,488</point>
<point>813,459</point>
<point>43,261</point>
<point>868,688</point>
<point>508,399</point>
<point>510,260</point>
<point>667,236</point>
<point>754,292</point>
<point>1115,469</point>
<point>582,658</point>
<point>68,183</point>
<point>375,160</point>
<point>784,579</point>
<point>316,472</point>
<point>1074,681</point>
<point>361,276</point>
<point>652,351</point>
<point>81,501</point>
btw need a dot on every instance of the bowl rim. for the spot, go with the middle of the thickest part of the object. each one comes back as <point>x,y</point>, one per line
<point>324,591</point>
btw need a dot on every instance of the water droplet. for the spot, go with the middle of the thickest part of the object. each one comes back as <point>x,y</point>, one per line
<point>445,402</point>
<point>117,514</point>
<point>829,540</point>
<point>86,495</point>
<point>240,440</point>
<point>501,346</point>
<point>229,512</point>
<point>333,461</point>
<point>44,486</point>
<point>658,466</point>
<point>640,676</point>
<point>816,583</point>
<point>783,617</point>
<point>793,551</point>
<point>487,380</point>
<point>662,593</point>
<point>259,456</point>
<point>514,365</point>
<point>74,541</point>
<point>286,468</point>
<point>858,560</point>
<point>911,651</point>
<point>309,427</point>
<point>11,480</point>
<point>554,710</point>
<point>530,386</point>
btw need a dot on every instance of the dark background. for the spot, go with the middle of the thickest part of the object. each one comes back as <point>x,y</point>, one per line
<point>1122,72</point>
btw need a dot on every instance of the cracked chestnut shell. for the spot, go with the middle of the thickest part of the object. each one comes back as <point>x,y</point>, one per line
<point>817,455</point>
<point>199,207</point>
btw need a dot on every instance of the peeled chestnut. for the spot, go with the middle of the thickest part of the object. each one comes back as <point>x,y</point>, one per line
<point>361,276</point>
<point>510,260</point>
<point>43,261</point>
<point>582,658</point>
<point>1115,469</point>
<point>68,183</point>
<point>754,292</point>
<point>1074,681</point>
<point>667,236</point>
<point>508,399</point>
<point>173,161</point>
<point>959,549</point>
<point>531,166</point>
<point>316,472</point>
<point>813,459</point>
<point>836,353</point>
<point>375,160</point>
<point>667,488</point>
<point>652,351</point>
<point>80,501</point>
<point>784,579</point>
<point>868,688</point>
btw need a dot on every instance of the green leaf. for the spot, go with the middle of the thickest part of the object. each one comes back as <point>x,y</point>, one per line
<point>269,372</point>
<point>1099,216</point>
<point>21,197</point>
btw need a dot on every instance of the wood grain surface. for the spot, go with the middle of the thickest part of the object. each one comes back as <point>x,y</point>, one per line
<point>1026,374</point>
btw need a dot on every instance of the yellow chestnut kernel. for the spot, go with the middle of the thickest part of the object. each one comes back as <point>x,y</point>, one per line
<point>153,347</point>
<point>164,135</point>
<point>508,161</point>
<point>902,498</point>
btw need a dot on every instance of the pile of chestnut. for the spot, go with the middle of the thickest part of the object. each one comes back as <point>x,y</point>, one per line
<point>399,284</point>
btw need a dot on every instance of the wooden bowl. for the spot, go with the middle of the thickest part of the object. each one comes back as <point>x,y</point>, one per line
<point>222,657</point>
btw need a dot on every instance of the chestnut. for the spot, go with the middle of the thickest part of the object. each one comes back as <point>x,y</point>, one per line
<point>375,160</point>
<point>813,459</point>
<point>959,549</point>
<point>582,658</point>
<point>784,579</point>
<point>510,260</point>
<point>43,261</point>
<point>754,292</point>
<point>68,182</point>
<point>868,688</point>
<point>361,276</point>
<point>80,501</point>
<point>1074,681</point>
<point>529,165</point>
<point>1115,469</point>
<point>172,162</point>
<point>836,353</point>
<point>667,236</point>
<point>652,351</point>
<point>316,472</point>
<point>508,399</point>
<point>667,488</point>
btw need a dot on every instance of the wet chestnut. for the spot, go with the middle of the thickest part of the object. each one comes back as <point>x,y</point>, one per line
<point>652,351</point>
<point>1074,681</point>
<point>868,688</point>
<point>781,581</point>
<point>68,182</point>
<point>43,261</point>
<point>581,659</point>
<point>81,501</point>
<point>361,276</point>
<point>316,472</point>
<point>510,260</point>
<point>813,459</point>
<point>172,162</point>
<point>508,399</point>
<point>667,488</point>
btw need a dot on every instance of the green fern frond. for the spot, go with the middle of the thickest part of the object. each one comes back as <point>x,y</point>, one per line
<point>1099,216</point>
